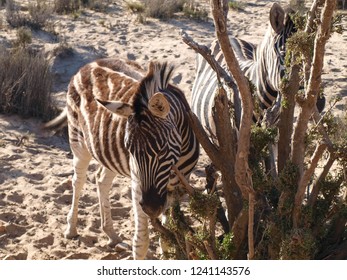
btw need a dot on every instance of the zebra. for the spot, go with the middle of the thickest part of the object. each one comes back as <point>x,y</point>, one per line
<point>134,124</point>
<point>262,64</point>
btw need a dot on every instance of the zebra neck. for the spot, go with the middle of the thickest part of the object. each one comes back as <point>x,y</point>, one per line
<point>258,74</point>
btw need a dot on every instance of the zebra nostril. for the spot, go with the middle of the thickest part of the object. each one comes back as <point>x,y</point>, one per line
<point>141,203</point>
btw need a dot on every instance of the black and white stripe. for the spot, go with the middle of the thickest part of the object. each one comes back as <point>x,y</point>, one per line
<point>134,124</point>
<point>262,64</point>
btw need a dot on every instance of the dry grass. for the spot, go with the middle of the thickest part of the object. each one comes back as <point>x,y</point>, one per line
<point>25,84</point>
<point>39,13</point>
<point>72,6</point>
<point>163,9</point>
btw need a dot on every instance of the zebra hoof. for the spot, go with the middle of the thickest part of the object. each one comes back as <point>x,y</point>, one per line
<point>70,234</point>
<point>114,241</point>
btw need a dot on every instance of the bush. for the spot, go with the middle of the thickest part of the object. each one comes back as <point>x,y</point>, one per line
<point>72,6</point>
<point>25,84</point>
<point>135,6</point>
<point>24,37</point>
<point>66,6</point>
<point>13,16</point>
<point>39,14</point>
<point>193,10</point>
<point>163,9</point>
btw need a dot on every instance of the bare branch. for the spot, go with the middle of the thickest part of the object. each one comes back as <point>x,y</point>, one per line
<point>242,171</point>
<point>323,33</point>
<point>183,180</point>
<point>285,127</point>
<point>251,226</point>
<point>312,16</point>
<point>315,186</point>
<point>299,197</point>
<point>210,251</point>
<point>205,52</point>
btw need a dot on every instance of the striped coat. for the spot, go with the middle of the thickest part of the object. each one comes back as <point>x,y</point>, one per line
<point>263,65</point>
<point>134,124</point>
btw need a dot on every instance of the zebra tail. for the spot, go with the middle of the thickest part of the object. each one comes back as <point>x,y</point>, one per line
<point>57,123</point>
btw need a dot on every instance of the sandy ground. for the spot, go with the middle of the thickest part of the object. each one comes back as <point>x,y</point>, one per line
<point>35,166</point>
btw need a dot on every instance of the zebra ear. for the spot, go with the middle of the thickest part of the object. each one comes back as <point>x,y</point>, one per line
<point>158,105</point>
<point>277,18</point>
<point>120,108</point>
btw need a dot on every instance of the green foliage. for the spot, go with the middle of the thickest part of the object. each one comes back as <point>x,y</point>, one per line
<point>204,205</point>
<point>299,244</point>
<point>25,84</point>
<point>299,45</point>
<point>261,137</point>
<point>226,248</point>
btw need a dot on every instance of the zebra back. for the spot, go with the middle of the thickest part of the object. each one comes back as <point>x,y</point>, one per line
<point>133,123</point>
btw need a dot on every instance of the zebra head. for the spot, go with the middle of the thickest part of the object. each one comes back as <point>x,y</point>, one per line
<point>151,138</point>
<point>272,50</point>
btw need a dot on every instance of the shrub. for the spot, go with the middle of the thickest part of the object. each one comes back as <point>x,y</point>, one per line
<point>24,37</point>
<point>13,16</point>
<point>194,10</point>
<point>66,6</point>
<point>135,6</point>
<point>236,5</point>
<point>163,9</point>
<point>72,6</point>
<point>25,84</point>
<point>39,14</point>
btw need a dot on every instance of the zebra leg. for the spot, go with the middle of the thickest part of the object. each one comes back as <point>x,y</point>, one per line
<point>141,236</point>
<point>81,159</point>
<point>104,179</point>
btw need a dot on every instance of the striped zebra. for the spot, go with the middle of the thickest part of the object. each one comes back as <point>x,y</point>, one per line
<point>134,124</point>
<point>262,64</point>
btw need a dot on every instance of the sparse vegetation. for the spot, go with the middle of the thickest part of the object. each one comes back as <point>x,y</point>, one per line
<point>163,9</point>
<point>66,6</point>
<point>24,37</point>
<point>236,5</point>
<point>40,13</point>
<point>38,16</point>
<point>73,6</point>
<point>193,10</point>
<point>25,84</point>
<point>135,6</point>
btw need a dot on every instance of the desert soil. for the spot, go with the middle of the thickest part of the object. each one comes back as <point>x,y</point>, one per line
<point>35,166</point>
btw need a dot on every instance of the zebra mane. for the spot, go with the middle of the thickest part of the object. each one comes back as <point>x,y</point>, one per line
<point>156,79</point>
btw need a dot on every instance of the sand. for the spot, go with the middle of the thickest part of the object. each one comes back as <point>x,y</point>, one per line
<point>36,166</point>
